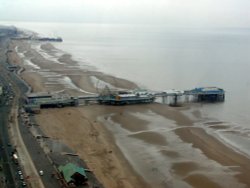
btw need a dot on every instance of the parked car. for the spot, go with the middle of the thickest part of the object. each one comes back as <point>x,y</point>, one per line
<point>24,184</point>
<point>41,172</point>
<point>21,177</point>
<point>19,172</point>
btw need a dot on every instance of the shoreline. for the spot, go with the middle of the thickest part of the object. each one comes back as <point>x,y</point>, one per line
<point>89,115</point>
<point>36,81</point>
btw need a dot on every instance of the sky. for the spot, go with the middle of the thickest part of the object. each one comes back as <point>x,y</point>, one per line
<point>197,13</point>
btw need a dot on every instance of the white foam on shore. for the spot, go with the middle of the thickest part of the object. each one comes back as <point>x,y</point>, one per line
<point>20,54</point>
<point>26,61</point>
<point>100,84</point>
<point>45,55</point>
<point>29,63</point>
<point>65,80</point>
<point>16,49</point>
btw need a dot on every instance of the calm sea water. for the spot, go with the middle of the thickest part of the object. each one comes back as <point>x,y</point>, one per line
<point>160,58</point>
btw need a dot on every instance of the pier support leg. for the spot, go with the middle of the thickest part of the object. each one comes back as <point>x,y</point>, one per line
<point>164,100</point>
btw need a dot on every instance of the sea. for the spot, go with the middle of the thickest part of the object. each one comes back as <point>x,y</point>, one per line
<point>158,57</point>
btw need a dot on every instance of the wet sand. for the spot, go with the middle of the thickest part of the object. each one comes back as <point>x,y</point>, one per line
<point>152,126</point>
<point>92,142</point>
<point>217,151</point>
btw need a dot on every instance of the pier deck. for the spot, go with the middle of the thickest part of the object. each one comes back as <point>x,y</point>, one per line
<point>47,100</point>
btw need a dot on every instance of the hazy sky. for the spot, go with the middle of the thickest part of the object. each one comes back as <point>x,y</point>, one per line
<point>225,13</point>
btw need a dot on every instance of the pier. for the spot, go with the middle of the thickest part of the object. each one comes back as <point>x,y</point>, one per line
<point>36,101</point>
<point>209,94</point>
<point>201,94</point>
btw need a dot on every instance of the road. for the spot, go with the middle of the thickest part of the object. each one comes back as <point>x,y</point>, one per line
<point>9,176</point>
<point>31,155</point>
<point>5,150</point>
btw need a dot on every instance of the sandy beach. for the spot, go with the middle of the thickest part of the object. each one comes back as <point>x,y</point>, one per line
<point>151,145</point>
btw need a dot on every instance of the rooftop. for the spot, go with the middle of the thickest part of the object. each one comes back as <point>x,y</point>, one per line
<point>69,170</point>
<point>208,90</point>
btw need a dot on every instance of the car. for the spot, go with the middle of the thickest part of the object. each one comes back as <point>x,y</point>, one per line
<point>41,172</point>
<point>24,184</point>
<point>21,177</point>
<point>19,172</point>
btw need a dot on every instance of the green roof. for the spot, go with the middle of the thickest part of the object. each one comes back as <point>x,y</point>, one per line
<point>70,169</point>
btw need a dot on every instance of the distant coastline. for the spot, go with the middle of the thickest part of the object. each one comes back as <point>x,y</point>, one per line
<point>42,39</point>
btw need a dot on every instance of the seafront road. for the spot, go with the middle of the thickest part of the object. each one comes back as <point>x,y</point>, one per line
<point>14,133</point>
